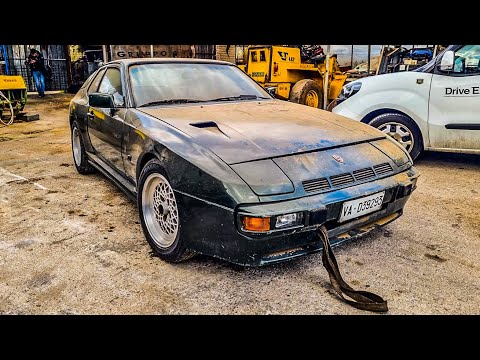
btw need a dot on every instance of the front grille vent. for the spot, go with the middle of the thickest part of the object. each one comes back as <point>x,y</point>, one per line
<point>382,169</point>
<point>363,174</point>
<point>342,179</point>
<point>316,185</point>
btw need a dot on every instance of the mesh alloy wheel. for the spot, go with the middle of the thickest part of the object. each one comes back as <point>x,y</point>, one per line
<point>160,210</point>
<point>76,146</point>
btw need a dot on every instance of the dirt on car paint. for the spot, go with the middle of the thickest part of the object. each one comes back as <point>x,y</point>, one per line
<point>72,244</point>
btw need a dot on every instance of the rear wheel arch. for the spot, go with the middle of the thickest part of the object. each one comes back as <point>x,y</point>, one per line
<point>72,118</point>
<point>80,158</point>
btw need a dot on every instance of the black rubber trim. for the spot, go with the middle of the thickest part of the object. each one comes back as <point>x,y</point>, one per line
<point>463,126</point>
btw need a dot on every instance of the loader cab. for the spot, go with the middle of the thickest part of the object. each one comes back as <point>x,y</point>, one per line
<point>259,63</point>
<point>280,70</point>
<point>271,63</point>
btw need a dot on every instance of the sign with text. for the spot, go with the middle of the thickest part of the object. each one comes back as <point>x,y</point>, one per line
<point>118,52</point>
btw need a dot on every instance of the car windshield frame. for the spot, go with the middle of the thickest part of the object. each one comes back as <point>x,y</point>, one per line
<point>184,78</point>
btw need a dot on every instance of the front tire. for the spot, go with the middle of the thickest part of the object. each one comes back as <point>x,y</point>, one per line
<point>159,214</point>
<point>78,151</point>
<point>401,128</point>
<point>307,92</point>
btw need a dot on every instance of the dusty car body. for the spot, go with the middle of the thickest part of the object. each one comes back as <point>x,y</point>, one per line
<point>244,178</point>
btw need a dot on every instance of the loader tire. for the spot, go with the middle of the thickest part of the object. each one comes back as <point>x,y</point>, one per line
<point>307,92</point>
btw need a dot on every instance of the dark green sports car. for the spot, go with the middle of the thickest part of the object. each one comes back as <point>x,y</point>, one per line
<point>219,167</point>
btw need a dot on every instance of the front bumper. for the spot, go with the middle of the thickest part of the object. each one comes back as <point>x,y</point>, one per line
<point>213,230</point>
<point>344,109</point>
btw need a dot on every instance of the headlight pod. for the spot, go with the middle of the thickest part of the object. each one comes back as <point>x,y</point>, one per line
<point>348,91</point>
<point>271,223</point>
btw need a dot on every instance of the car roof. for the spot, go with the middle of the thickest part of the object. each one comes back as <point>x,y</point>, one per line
<point>161,60</point>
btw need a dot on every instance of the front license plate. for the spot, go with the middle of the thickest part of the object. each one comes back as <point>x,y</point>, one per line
<point>358,207</point>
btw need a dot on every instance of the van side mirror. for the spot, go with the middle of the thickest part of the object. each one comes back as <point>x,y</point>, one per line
<point>446,63</point>
<point>101,100</point>
<point>272,90</point>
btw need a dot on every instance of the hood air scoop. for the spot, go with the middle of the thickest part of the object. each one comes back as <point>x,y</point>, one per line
<point>210,126</point>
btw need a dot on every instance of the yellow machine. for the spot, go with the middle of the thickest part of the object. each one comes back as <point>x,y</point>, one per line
<point>14,92</point>
<point>280,69</point>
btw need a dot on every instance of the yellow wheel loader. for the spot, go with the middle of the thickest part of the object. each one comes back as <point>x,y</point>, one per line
<point>280,70</point>
<point>13,96</point>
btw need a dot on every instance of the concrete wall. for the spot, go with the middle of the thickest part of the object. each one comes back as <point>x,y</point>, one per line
<point>222,54</point>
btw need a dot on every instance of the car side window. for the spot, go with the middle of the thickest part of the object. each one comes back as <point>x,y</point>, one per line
<point>96,81</point>
<point>112,84</point>
<point>467,60</point>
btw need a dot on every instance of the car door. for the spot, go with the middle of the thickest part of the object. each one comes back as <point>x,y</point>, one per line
<point>454,108</point>
<point>82,107</point>
<point>105,125</point>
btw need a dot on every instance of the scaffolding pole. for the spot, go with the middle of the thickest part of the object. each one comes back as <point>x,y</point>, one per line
<point>325,78</point>
<point>369,56</point>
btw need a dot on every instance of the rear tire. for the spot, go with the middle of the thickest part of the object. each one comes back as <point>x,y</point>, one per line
<point>78,151</point>
<point>307,92</point>
<point>159,214</point>
<point>401,128</point>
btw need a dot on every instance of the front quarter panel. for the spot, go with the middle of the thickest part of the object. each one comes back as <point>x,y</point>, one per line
<point>192,169</point>
<point>407,92</point>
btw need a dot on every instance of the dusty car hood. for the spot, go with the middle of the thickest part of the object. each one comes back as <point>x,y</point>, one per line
<point>252,130</point>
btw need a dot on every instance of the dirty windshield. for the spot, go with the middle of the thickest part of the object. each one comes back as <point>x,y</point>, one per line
<point>173,83</point>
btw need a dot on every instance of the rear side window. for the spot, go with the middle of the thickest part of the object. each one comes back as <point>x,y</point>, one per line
<point>96,81</point>
<point>112,84</point>
<point>254,56</point>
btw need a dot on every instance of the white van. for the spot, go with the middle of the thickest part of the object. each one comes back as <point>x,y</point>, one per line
<point>434,107</point>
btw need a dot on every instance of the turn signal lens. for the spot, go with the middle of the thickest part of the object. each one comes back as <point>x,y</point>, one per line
<point>256,223</point>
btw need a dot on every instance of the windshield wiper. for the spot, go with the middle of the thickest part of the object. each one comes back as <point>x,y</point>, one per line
<point>171,101</point>
<point>239,97</point>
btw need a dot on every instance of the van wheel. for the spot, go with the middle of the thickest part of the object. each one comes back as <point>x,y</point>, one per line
<point>401,128</point>
<point>307,92</point>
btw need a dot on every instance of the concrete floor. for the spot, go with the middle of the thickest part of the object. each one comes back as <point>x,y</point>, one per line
<point>72,244</point>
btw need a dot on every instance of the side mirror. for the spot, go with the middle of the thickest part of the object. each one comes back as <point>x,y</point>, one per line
<point>446,64</point>
<point>101,100</point>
